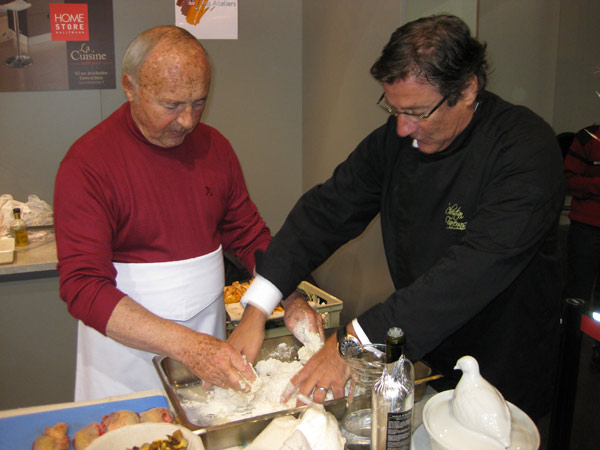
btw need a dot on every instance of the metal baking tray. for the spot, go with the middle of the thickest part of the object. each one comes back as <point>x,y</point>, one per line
<point>176,377</point>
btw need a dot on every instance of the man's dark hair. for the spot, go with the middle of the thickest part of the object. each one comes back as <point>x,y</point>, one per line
<point>439,49</point>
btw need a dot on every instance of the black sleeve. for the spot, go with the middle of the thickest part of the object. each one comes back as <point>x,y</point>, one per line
<point>326,217</point>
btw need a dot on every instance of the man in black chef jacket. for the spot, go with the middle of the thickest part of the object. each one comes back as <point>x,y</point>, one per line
<point>470,189</point>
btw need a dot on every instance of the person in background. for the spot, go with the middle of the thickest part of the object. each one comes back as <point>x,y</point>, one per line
<point>469,188</point>
<point>145,205</point>
<point>582,172</point>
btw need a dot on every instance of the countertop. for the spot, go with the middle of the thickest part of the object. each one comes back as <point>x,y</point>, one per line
<point>37,256</point>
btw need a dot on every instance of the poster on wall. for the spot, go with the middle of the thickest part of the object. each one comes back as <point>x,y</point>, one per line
<point>208,19</point>
<point>56,46</point>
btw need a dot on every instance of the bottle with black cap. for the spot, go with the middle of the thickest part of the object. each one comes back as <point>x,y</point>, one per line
<point>393,398</point>
<point>18,229</point>
<point>394,344</point>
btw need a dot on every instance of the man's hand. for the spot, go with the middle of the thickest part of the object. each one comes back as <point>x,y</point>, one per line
<point>301,319</point>
<point>217,363</point>
<point>248,336</point>
<point>211,359</point>
<point>326,369</point>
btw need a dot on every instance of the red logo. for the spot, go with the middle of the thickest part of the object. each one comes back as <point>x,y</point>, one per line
<point>69,22</point>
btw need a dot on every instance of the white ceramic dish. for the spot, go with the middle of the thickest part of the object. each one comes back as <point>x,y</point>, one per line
<point>420,440</point>
<point>141,433</point>
<point>446,433</point>
<point>7,250</point>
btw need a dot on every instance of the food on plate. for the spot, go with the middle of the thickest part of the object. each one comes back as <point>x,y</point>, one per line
<point>234,292</point>
<point>84,437</point>
<point>176,441</point>
<point>53,438</point>
<point>159,414</point>
<point>119,419</point>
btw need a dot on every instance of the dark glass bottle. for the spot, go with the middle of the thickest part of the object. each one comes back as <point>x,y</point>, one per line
<point>394,344</point>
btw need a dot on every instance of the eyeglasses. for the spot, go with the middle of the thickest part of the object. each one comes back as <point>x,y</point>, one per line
<point>394,112</point>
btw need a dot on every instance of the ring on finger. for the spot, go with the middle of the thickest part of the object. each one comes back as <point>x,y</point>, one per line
<point>322,389</point>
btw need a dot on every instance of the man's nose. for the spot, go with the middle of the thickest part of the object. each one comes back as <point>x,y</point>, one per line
<point>186,118</point>
<point>404,125</point>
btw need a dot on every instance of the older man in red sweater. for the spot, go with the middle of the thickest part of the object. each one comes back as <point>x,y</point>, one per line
<point>145,204</point>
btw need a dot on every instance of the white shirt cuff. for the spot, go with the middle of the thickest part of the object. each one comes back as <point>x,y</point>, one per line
<point>360,334</point>
<point>262,294</point>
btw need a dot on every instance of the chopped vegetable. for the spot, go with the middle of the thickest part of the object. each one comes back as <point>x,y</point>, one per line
<point>176,441</point>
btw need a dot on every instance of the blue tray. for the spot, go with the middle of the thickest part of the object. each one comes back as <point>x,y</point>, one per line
<point>19,432</point>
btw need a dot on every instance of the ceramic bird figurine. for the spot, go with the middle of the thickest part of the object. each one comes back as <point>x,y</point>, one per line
<point>479,406</point>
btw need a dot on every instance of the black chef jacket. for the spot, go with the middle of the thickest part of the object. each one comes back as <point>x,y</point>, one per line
<point>470,236</point>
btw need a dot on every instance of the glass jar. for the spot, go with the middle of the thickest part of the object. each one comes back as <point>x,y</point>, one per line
<point>367,363</point>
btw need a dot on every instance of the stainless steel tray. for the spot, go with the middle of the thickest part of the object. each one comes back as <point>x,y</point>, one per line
<point>175,376</point>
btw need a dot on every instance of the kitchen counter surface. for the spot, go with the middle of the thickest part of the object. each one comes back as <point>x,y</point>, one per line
<point>38,256</point>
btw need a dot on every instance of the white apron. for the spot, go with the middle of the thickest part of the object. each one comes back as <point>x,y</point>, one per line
<point>189,292</point>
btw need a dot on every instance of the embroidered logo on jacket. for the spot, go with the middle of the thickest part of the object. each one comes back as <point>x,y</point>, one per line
<point>454,217</point>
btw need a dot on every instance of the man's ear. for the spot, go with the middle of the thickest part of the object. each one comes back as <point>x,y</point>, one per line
<point>129,87</point>
<point>469,94</point>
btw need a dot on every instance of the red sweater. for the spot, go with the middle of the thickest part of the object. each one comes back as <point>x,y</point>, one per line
<point>120,198</point>
<point>582,171</point>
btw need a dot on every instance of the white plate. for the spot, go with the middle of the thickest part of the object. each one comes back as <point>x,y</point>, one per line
<point>420,440</point>
<point>142,433</point>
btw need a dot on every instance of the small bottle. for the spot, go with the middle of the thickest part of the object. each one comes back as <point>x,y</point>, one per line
<point>18,229</point>
<point>393,399</point>
<point>394,344</point>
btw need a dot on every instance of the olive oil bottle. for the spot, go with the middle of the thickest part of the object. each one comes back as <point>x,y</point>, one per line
<point>18,229</point>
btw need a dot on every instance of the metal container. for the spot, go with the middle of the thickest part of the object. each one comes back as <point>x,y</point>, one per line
<point>175,377</point>
<point>327,305</point>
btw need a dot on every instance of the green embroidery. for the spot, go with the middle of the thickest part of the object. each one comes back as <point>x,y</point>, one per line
<point>453,218</point>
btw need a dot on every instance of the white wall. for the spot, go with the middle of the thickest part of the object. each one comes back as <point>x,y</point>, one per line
<point>465,9</point>
<point>543,56</point>
<point>522,39</point>
<point>255,101</point>
<point>341,40</point>
<point>578,66</point>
